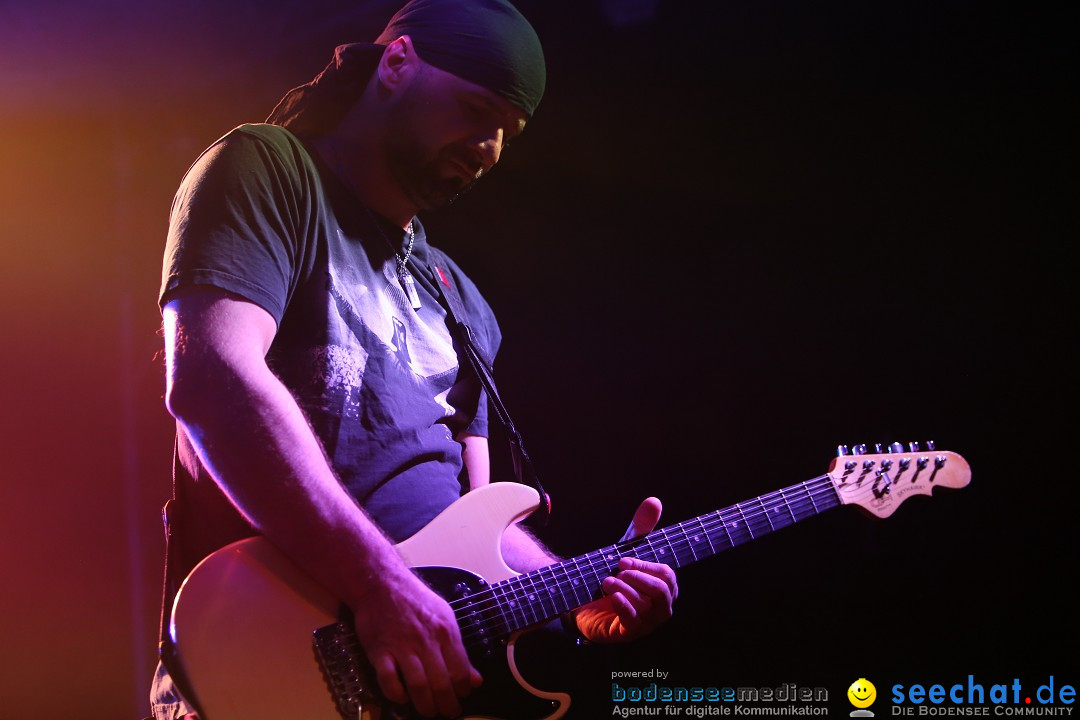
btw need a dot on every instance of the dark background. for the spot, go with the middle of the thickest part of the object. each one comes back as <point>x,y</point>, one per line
<point>735,235</point>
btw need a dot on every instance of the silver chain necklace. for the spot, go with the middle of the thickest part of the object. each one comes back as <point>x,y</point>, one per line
<point>404,276</point>
<point>407,282</point>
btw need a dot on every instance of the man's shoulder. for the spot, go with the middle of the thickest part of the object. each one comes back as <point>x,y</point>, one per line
<point>253,150</point>
<point>260,138</point>
<point>272,134</point>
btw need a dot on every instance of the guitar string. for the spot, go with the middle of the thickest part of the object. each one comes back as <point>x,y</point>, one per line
<point>517,601</point>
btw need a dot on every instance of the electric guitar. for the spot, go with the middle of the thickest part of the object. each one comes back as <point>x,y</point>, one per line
<point>255,637</point>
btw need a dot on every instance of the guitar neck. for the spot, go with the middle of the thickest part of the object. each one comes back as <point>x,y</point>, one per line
<point>540,595</point>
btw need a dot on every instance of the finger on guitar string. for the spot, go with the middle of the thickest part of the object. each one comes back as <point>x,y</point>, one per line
<point>662,572</point>
<point>625,602</point>
<point>640,597</point>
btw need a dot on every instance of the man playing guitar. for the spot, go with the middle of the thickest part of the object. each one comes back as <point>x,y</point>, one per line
<point>317,388</point>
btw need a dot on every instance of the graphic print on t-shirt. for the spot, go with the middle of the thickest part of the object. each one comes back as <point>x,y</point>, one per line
<point>401,346</point>
<point>405,356</point>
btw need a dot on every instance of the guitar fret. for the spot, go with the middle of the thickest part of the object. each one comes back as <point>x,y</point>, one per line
<point>722,527</point>
<point>672,550</point>
<point>497,595</point>
<point>701,524</point>
<point>556,587</point>
<point>775,511</point>
<point>536,596</point>
<point>580,584</point>
<point>657,555</point>
<point>512,601</point>
<point>765,514</point>
<point>591,584</point>
<point>577,585</point>
<point>527,610</point>
<point>810,495</point>
<point>689,544</point>
<point>742,516</point>
<point>787,504</point>
<point>737,532</point>
<point>527,598</point>
<point>673,546</point>
<point>609,564</point>
<point>803,506</point>
<point>541,593</point>
<point>508,607</point>
<point>492,593</point>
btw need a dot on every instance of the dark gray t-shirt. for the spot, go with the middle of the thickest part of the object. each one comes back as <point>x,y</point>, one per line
<point>258,216</point>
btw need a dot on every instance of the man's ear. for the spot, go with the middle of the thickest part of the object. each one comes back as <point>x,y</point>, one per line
<point>398,63</point>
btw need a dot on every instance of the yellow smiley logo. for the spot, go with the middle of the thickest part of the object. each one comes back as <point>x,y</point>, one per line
<point>862,693</point>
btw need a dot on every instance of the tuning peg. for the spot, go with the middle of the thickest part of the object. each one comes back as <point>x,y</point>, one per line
<point>914,446</point>
<point>841,450</point>
<point>859,449</point>
<point>930,445</point>
<point>896,447</point>
<point>877,448</point>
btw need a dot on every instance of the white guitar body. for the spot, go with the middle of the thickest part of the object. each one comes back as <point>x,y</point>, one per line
<point>248,651</point>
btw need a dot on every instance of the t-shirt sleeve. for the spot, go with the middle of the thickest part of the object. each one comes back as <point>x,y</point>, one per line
<point>236,224</point>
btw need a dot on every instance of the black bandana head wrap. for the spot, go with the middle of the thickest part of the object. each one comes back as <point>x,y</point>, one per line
<point>485,42</point>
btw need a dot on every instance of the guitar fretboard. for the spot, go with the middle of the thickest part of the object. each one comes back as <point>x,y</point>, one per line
<point>540,595</point>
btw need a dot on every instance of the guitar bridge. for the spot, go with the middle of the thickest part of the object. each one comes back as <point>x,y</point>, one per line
<point>342,662</point>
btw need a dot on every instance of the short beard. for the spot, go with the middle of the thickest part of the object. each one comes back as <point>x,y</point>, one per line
<point>423,184</point>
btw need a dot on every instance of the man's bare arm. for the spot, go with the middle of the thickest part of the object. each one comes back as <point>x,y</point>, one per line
<point>520,549</point>
<point>256,443</point>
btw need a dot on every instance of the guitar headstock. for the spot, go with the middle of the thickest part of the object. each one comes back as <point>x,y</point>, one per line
<point>879,481</point>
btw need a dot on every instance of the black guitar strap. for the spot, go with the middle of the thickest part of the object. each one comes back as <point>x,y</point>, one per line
<point>523,466</point>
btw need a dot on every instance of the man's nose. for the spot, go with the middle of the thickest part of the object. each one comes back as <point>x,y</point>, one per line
<point>490,146</point>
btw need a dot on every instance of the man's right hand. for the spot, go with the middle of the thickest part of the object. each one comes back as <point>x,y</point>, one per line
<point>413,641</point>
